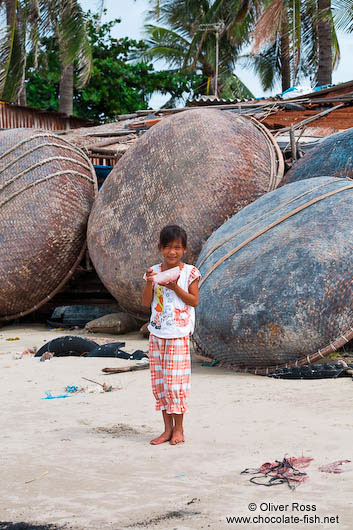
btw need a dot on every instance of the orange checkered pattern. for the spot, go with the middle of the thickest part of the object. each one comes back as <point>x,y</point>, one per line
<point>170,373</point>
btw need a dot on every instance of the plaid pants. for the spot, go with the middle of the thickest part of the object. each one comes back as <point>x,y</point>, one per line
<point>170,373</point>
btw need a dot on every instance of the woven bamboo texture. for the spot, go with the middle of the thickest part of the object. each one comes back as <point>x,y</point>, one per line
<point>277,283</point>
<point>194,169</point>
<point>332,156</point>
<point>47,188</point>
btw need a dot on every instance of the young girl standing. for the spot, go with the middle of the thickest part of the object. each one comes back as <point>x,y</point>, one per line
<point>171,324</point>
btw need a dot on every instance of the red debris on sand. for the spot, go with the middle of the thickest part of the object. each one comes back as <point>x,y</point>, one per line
<point>301,463</point>
<point>336,467</point>
<point>278,472</point>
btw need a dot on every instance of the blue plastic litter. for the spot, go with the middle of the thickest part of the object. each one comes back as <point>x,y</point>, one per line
<point>50,396</point>
<point>71,389</point>
<point>180,475</point>
<point>291,89</point>
<point>322,87</point>
<point>102,172</point>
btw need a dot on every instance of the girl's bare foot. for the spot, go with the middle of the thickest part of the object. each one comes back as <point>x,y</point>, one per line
<point>177,437</point>
<point>164,437</point>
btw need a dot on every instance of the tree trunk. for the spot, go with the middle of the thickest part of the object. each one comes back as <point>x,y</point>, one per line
<point>14,72</point>
<point>22,97</point>
<point>208,75</point>
<point>324,31</point>
<point>285,59</point>
<point>11,6</point>
<point>66,90</point>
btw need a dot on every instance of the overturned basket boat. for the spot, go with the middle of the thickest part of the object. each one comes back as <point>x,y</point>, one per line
<point>194,169</point>
<point>47,188</point>
<point>332,156</point>
<point>277,283</point>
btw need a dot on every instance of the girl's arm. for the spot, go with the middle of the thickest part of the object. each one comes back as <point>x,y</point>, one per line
<point>147,295</point>
<point>190,298</point>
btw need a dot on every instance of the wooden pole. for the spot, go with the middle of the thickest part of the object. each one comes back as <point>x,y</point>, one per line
<point>292,143</point>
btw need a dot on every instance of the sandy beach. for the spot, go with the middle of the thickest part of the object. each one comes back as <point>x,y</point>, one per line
<point>85,462</point>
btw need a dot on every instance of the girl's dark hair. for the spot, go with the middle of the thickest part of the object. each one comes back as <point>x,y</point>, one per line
<point>171,233</point>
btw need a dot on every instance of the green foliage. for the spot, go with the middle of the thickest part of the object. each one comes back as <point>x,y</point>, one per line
<point>267,57</point>
<point>23,22</point>
<point>187,39</point>
<point>267,65</point>
<point>343,15</point>
<point>233,88</point>
<point>42,85</point>
<point>15,61</point>
<point>116,86</point>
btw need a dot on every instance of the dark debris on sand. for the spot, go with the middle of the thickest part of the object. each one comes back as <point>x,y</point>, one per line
<point>5,525</point>
<point>176,514</point>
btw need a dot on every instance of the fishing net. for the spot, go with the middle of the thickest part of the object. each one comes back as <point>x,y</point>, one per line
<point>288,471</point>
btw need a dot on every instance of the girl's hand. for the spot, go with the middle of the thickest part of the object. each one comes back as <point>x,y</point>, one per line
<point>149,275</point>
<point>172,285</point>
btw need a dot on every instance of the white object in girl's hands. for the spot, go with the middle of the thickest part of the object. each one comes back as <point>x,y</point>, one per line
<point>168,276</point>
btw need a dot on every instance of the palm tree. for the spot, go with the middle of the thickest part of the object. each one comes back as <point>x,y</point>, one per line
<point>67,21</point>
<point>185,39</point>
<point>12,60</point>
<point>325,38</point>
<point>272,29</point>
<point>297,38</point>
<point>28,20</point>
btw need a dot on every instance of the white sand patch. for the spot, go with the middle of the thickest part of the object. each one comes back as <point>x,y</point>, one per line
<point>95,469</point>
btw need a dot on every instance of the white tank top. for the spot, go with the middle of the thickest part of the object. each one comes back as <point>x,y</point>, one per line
<point>171,318</point>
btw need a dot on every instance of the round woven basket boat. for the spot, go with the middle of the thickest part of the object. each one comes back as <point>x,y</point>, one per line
<point>332,156</point>
<point>277,282</point>
<point>47,188</point>
<point>194,169</point>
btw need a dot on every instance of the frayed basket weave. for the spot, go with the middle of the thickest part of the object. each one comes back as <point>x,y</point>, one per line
<point>194,169</point>
<point>277,281</point>
<point>47,188</point>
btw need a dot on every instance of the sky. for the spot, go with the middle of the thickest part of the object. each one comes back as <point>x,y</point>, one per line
<point>132,14</point>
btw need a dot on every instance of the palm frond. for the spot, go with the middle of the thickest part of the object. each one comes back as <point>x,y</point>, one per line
<point>73,40</point>
<point>296,37</point>
<point>200,36</point>
<point>165,44</point>
<point>84,63</point>
<point>342,11</point>
<point>172,56</point>
<point>336,55</point>
<point>309,56</point>
<point>68,22</point>
<point>232,87</point>
<point>267,26</point>
<point>267,65</point>
<point>32,15</point>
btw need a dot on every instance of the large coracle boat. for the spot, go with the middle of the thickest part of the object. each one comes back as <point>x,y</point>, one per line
<point>194,169</point>
<point>277,279</point>
<point>47,188</point>
<point>332,156</point>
